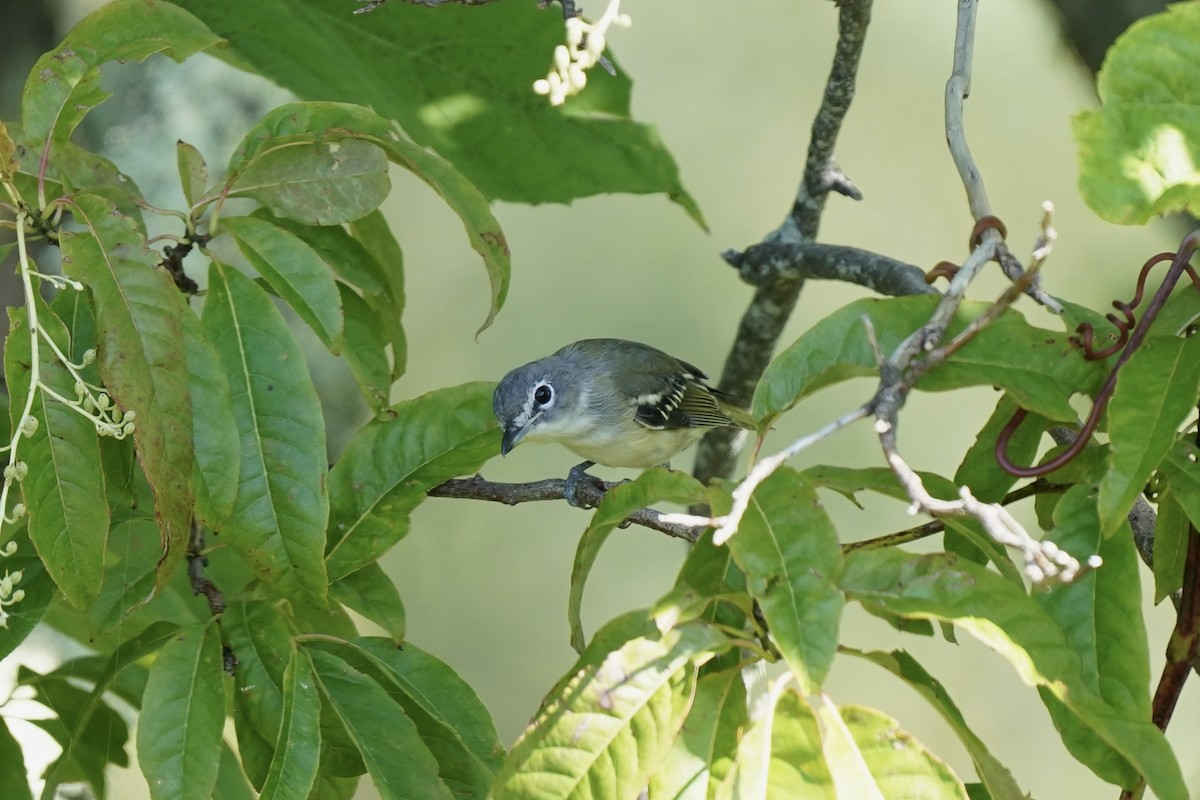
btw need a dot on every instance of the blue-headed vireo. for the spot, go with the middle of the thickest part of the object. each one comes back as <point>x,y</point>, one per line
<point>613,402</point>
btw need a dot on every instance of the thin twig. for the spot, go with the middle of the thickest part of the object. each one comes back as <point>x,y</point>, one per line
<point>765,467</point>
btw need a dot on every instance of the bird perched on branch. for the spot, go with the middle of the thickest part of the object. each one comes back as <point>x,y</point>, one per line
<point>613,402</point>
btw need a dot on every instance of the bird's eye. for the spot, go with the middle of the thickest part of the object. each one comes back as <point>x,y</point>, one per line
<point>543,394</point>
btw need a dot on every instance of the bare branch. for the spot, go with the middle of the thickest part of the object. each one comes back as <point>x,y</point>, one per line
<point>769,310</point>
<point>590,493</point>
<point>768,262</point>
<point>958,88</point>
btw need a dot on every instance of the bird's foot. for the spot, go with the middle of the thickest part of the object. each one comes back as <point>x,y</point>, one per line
<point>575,477</point>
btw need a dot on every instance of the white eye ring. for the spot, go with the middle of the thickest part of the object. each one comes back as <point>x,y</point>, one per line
<point>543,395</point>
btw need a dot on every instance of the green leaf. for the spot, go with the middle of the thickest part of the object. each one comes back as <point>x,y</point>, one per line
<point>366,349</point>
<point>279,516</point>
<point>84,755</point>
<point>389,465</point>
<point>789,550</point>
<point>456,83</point>
<point>375,237</point>
<point>193,171</point>
<point>183,713</point>
<point>231,781</point>
<point>1006,619</point>
<point>9,164</point>
<point>899,764</point>
<point>399,763</point>
<point>295,271</point>
<point>1171,532</point>
<point>606,732</point>
<point>326,182</point>
<point>483,231</point>
<point>472,207</point>
<point>704,752</point>
<point>1039,368</point>
<point>1101,613</point>
<point>1137,152</point>
<point>994,775</point>
<point>370,592</point>
<point>259,637</point>
<point>1182,470</point>
<point>65,83</point>
<point>451,719</point>
<point>652,486</point>
<point>64,490</point>
<point>142,356</point>
<point>372,320</point>
<point>1155,393</point>
<point>439,691</point>
<point>214,428</point>
<point>780,754</point>
<point>298,748</point>
<point>91,715</point>
<point>130,573</point>
<point>14,784</point>
<point>1101,616</point>
<point>21,618</point>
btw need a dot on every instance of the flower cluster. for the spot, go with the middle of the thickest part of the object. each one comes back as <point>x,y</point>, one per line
<point>583,50</point>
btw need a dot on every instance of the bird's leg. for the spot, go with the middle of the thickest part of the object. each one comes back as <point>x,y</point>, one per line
<point>575,477</point>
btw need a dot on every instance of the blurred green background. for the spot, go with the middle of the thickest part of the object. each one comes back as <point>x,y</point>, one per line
<point>732,88</point>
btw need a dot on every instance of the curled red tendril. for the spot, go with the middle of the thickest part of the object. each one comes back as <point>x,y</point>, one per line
<point>1131,333</point>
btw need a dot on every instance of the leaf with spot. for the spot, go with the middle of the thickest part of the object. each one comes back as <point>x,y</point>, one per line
<point>142,357</point>
<point>64,85</point>
<point>609,728</point>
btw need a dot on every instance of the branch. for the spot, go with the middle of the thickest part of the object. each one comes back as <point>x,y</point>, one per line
<point>958,88</point>
<point>769,262</point>
<point>769,310</point>
<point>590,493</point>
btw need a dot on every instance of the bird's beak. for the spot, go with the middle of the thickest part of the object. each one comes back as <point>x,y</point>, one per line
<point>513,434</point>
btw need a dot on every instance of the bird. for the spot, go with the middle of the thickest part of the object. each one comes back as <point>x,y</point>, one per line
<point>613,402</point>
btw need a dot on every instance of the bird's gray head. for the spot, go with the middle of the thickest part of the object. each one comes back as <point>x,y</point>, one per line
<point>535,401</point>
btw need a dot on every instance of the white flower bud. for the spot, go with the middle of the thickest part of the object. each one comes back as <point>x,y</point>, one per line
<point>15,577</point>
<point>541,86</point>
<point>21,469</point>
<point>18,595</point>
<point>18,511</point>
<point>562,58</point>
<point>89,356</point>
<point>103,401</point>
<point>130,415</point>
<point>595,43</point>
<point>8,550</point>
<point>29,425</point>
<point>576,27</point>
